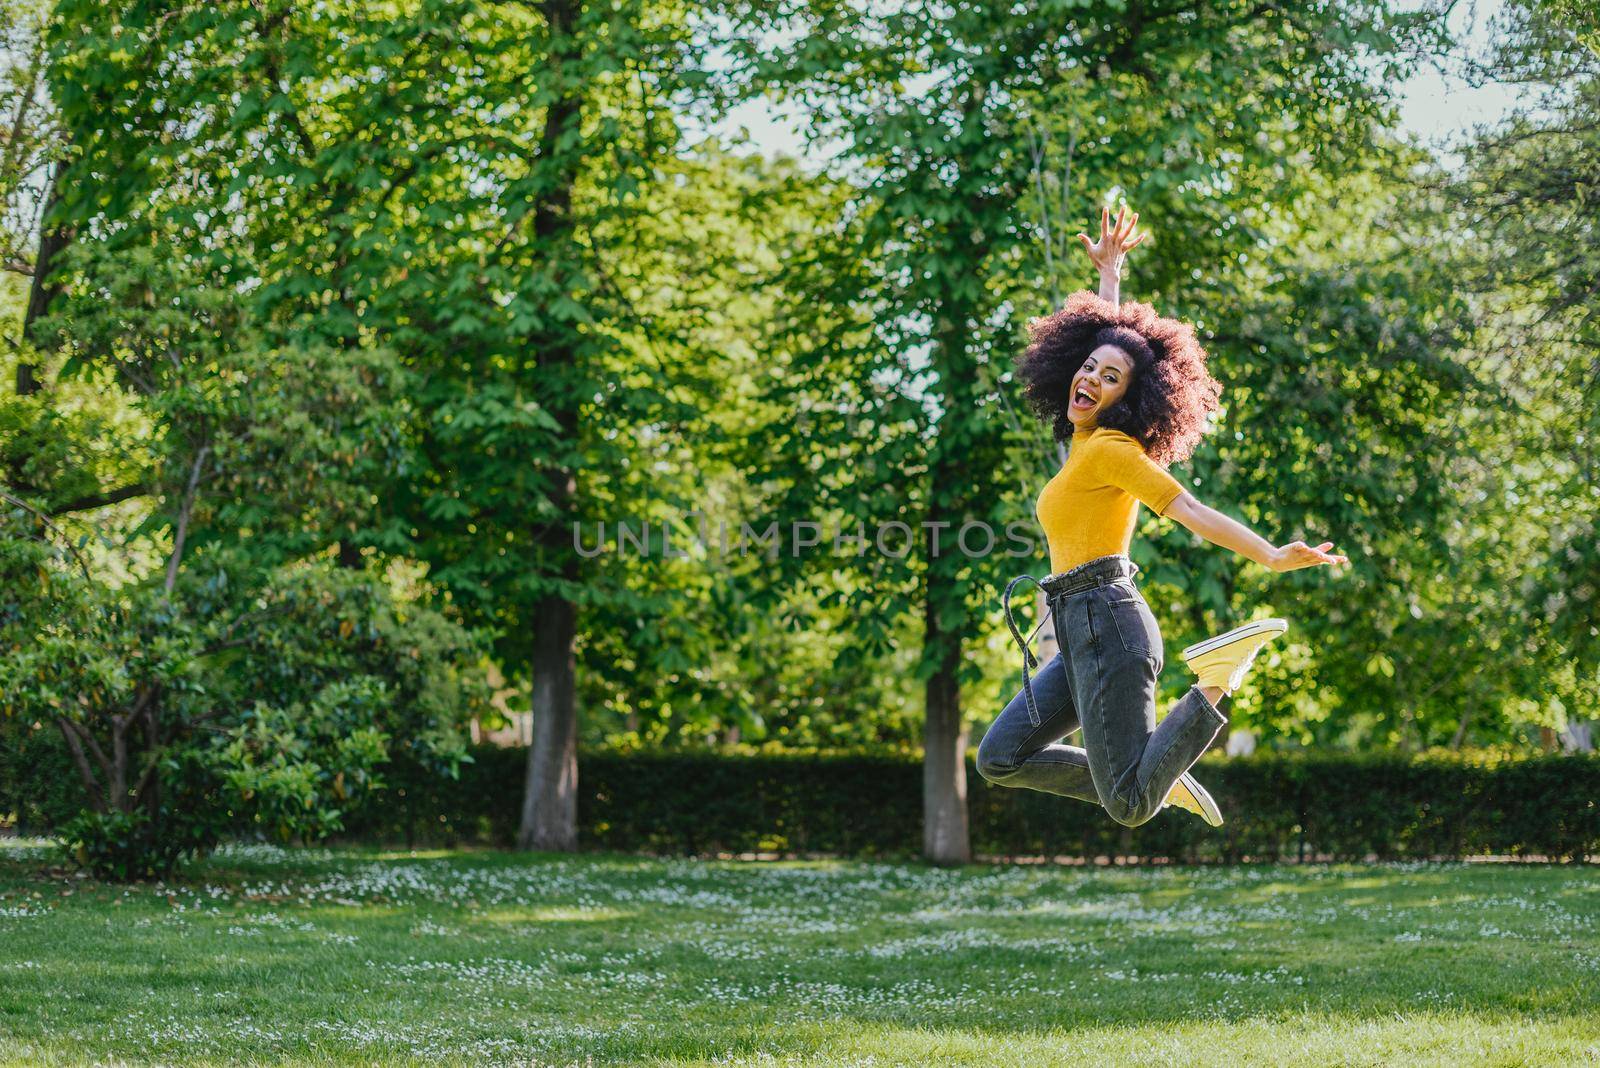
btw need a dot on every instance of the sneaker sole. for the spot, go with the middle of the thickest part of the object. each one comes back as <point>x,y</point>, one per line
<point>1211,813</point>
<point>1260,626</point>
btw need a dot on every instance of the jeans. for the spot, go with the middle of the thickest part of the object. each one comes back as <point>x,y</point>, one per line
<point>1103,682</point>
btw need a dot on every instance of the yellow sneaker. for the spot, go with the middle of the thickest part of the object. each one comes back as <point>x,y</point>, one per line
<point>1190,795</point>
<point>1222,661</point>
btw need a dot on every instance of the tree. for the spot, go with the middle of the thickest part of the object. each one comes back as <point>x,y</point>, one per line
<point>715,644</point>
<point>28,243</point>
<point>1527,200</point>
<point>208,685</point>
<point>940,115</point>
<point>201,665</point>
<point>373,188</point>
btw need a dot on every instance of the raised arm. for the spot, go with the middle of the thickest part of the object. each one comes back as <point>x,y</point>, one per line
<point>1107,253</point>
<point>1218,529</point>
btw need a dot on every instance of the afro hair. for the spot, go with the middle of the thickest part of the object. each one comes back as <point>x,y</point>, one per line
<point>1170,394</point>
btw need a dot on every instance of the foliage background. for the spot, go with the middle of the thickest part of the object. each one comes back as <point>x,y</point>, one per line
<point>324,327</point>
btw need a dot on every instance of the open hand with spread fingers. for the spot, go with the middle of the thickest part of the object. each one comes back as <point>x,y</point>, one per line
<point>1298,554</point>
<point>1116,240</point>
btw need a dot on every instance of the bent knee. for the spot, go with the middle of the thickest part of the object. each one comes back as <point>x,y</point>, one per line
<point>1130,814</point>
<point>992,768</point>
<point>996,773</point>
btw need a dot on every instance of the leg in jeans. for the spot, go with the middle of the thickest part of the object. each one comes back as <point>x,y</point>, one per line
<point>1017,751</point>
<point>1114,654</point>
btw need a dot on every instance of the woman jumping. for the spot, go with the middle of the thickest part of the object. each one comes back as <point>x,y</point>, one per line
<point>1132,392</point>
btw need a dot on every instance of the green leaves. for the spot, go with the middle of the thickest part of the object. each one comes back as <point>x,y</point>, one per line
<point>434,282</point>
<point>296,769</point>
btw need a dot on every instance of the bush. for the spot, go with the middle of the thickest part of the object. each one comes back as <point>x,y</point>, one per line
<point>172,720</point>
<point>191,817</point>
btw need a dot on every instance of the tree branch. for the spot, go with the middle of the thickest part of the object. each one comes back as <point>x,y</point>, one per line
<point>119,760</point>
<point>100,500</point>
<point>57,531</point>
<point>24,101</point>
<point>147,705</point>
<point>185,510</point>
<point>100,757</point>
<point>85,772</point>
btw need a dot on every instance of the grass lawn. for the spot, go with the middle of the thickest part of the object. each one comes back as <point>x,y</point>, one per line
<point>331,957</point>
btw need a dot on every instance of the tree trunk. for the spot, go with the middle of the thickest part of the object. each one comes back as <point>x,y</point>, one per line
<point>945,833</point>
<point>43,289</point>
<point>945,837</point>
<point>550,795</point>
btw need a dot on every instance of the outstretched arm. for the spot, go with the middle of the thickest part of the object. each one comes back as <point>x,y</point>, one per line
<point>1218,529</point>
<point>1107,253</point>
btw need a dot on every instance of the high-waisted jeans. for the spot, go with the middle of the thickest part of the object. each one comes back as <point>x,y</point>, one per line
<point>1103,681</point>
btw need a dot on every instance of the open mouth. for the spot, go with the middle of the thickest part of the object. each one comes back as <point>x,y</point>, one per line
<point>1081,399</point>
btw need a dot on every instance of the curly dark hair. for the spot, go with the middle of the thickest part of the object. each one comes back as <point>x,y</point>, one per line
<point>1169,395</point>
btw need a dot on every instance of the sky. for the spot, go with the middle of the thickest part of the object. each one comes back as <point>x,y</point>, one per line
<point>1436,104</point>
<point>1439,106</point>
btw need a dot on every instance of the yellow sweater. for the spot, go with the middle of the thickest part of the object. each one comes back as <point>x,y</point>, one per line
<point>1088,510</point>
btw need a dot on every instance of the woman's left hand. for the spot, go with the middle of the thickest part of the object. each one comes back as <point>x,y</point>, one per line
<point>1298,554</point>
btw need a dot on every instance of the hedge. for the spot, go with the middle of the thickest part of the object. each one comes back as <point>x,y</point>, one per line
<point>1279,806</point>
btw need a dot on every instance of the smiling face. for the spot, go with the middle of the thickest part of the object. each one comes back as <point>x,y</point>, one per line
<point>1099,383</point>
